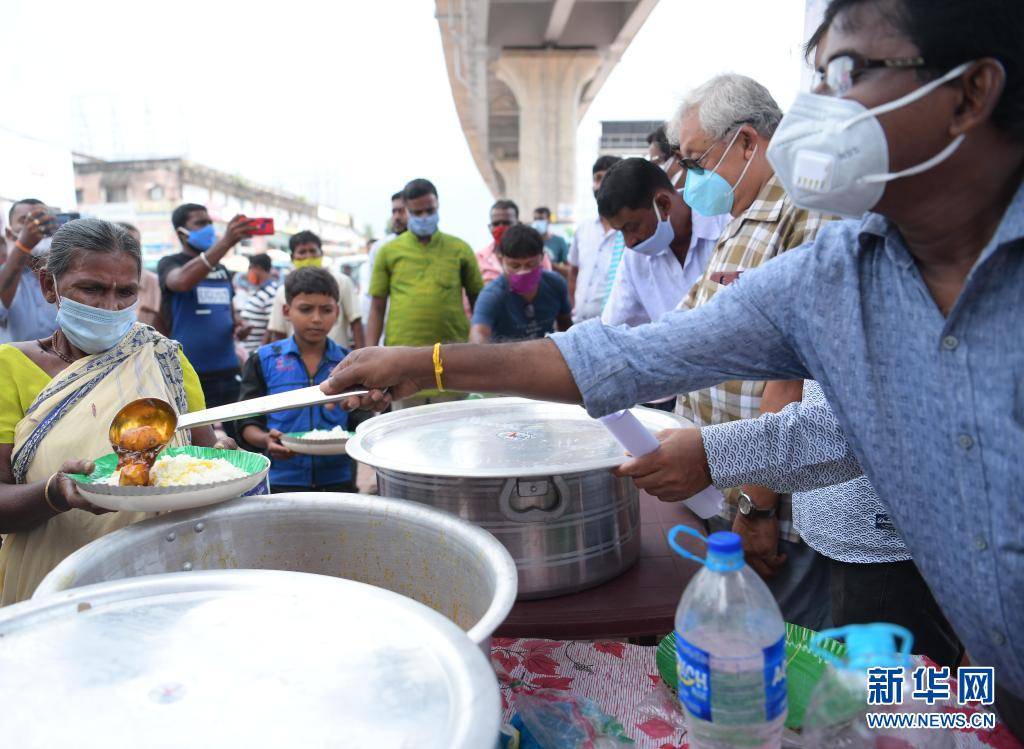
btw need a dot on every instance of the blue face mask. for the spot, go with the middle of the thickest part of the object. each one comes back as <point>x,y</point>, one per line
<point>709,193</point>
<point>541,227</point>
<point>202,239</point>
<point>659,241</point>
<point>91,329</point>
<point>423,226</point>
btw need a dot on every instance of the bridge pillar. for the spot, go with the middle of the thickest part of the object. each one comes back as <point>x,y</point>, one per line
<point>548,85</point>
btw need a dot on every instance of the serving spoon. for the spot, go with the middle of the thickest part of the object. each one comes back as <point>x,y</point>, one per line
<point>158,413</point>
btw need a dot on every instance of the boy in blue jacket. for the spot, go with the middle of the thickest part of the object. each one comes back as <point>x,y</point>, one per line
<point>306,358</point>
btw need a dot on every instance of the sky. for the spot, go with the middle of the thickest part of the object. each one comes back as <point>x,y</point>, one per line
<point>340,101</point>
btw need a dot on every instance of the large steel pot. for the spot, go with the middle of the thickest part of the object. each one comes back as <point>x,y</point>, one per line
<point>241,658</point>
<point>427,555</point>
<point>536,475</point>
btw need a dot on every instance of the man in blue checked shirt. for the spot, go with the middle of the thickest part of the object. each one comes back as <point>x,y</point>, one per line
<point>910,317</point>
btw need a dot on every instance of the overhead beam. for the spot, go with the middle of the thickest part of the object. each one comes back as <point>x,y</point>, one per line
<point>557,21</point>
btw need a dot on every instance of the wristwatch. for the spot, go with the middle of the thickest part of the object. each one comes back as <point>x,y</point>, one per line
<point>748,509</point>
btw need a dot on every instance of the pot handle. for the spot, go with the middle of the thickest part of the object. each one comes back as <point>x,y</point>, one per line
<point>534,488</point>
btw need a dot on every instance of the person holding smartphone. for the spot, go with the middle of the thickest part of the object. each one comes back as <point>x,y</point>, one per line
<point>25,314</point>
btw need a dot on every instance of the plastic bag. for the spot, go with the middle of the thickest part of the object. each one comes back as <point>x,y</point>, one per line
<point>662,703</point>
<point>560,720</point>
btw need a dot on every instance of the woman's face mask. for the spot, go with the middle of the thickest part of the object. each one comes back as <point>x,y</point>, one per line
<point>91,329</point>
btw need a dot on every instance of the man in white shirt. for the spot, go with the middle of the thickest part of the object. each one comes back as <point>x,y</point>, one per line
<point>593,256</point>
<point>667,245</point>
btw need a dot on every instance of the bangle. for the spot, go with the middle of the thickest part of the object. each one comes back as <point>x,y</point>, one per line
<point>206,262</point>
<point>46,497</point>
<point>438,369</point>
<point>23,248</point>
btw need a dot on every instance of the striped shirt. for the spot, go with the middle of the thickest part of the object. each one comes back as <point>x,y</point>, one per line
<point>770,226</point>
<point>846,520</point>
<point>256,312</point>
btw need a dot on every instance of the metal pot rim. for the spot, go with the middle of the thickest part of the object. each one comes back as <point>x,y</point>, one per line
<point>358,451</point>
<point>496,555</point>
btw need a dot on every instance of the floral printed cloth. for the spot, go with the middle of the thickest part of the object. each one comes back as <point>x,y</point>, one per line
<point>619,677</point>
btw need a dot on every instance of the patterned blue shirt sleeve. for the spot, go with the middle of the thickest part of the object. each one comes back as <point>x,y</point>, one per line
<point>800,448</point>
<point>737,335</point>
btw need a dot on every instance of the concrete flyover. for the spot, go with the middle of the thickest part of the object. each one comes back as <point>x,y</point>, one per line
<point>523,73</point>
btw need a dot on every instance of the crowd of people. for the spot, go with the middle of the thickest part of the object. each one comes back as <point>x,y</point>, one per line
<point>831,296</point>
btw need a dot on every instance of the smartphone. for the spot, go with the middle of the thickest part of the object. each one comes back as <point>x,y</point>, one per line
<point>63,218</point>
<point>55,219</point>
<point>261,226</point>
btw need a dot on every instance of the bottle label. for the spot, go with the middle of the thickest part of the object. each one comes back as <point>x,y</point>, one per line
<point>737,694</point>
<point>775,679</point>
<point>693,668</point>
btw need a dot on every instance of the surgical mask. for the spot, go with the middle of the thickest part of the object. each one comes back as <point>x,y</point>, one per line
<point>423,226</point>
<point>540,226</point>
<point>831,154</point>
<point>202,239</point>
<point>91,329</point>
<point>709,193</point>
<point>309,262</point>
<point>524,283</point>
<point>659,241</point>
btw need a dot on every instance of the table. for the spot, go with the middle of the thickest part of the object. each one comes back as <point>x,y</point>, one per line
<point>620,678</point>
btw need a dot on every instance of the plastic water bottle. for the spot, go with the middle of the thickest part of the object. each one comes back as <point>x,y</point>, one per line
<point>730,651</point>
<point>835,717</point>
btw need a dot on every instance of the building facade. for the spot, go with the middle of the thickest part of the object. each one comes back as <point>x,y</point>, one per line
<point>144,192</point>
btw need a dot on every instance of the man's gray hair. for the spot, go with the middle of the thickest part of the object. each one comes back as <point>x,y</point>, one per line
<point>724,102</point>
<point>87,235</point>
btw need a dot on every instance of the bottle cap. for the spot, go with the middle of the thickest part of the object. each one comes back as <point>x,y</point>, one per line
<point>725,551</point>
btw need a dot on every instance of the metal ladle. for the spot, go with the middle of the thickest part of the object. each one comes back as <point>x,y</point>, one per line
<point>159,414</point>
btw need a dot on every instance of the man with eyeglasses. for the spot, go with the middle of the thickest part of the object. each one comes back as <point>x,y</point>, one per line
<point>504,213</point>
<point>909,318</point>
<point>723,129</point>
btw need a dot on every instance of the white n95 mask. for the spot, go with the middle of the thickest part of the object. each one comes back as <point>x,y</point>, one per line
<point>831,154</point>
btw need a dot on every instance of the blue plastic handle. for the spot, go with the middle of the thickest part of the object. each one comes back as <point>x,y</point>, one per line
<point>815,645</point>
<point>678,549</point>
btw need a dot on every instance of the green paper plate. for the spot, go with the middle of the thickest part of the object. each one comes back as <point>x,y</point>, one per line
<point>803,668</point>
<point>247,461</point>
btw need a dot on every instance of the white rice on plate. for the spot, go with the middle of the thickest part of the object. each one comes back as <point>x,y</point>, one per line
<point>184,470</point>
<point>326,434</point>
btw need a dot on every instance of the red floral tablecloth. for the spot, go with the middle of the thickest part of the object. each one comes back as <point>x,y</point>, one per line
<point>619,677</point>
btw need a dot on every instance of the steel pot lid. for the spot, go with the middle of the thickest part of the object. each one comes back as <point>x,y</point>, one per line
<point>241,658</point>
<point>495,438</point>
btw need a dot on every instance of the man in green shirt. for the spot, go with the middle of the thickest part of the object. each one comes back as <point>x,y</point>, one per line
<point>422,274</point>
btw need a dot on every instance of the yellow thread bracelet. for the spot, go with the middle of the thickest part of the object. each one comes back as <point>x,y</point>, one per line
<point>438,369</point>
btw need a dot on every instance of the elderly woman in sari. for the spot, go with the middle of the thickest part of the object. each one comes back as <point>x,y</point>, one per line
<point>59,394</point>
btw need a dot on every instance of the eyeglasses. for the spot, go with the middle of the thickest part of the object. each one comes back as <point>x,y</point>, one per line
<point>841,72</point>
<point>695,164</point>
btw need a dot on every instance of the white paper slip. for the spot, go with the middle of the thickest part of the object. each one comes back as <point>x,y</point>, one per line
<point>634,437</point>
